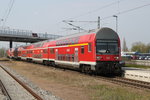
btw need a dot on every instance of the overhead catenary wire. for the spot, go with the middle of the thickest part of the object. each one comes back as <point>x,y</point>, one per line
<point>126,11</point>
<point>119,12</point>
<point>98,9</point>
<point>10,6</point>
<point>101,8</point>
<point>132,9</point>
<point>110,16</point>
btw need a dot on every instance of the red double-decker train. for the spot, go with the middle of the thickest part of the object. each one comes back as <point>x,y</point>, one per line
<point>97,51</point>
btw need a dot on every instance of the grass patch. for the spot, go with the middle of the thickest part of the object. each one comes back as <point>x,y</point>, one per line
<point>4,59</point>
<point>104,92</point>
<point>137,66</point>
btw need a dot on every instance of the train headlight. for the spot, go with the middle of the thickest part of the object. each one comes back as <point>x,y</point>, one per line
<point>98,57</point>
<point>116,58</point>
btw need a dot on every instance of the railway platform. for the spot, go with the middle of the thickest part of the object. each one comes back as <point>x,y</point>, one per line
<point>137,73</point>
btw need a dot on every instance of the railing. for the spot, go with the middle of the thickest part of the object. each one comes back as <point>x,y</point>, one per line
<point>26,33</point>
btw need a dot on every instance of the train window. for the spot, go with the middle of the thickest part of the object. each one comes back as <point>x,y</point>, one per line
<point>45,50</point>
<point>82,49</point>
<point>64,57</point>
<point>89,47</point>
<point>107,48</point>
<point>52,50</point>
<point>59,57</point>
<point>72,57</point>
<point>67,57</point>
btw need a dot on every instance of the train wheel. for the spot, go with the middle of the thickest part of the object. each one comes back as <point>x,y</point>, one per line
<point>44,62</point>
<point>88,70</point>
<point>53,64</point>
<point>82,69</point>
<point>118,70</point>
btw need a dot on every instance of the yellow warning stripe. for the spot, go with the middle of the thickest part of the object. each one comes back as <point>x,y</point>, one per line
<point>78,44</point>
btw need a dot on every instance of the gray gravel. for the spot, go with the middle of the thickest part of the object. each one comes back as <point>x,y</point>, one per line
<point>2,97</point>
<point>46,95</point>
<point>15,90</point>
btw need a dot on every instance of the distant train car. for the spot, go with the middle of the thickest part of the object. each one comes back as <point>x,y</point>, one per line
<point>10,53</point>
<point>89,52</point>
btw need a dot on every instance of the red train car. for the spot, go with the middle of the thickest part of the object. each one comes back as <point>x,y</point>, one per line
<point>89,52</point>
<point>10,53</point>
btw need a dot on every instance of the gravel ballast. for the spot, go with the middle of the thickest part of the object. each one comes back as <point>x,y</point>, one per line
<point>2,97</point>
<point>44,94</point>
<point>15,90</point>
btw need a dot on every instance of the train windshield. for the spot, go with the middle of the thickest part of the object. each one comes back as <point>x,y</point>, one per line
<point>107,47</point>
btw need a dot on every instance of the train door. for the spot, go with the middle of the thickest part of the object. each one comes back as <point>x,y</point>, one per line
<point>76,55</point>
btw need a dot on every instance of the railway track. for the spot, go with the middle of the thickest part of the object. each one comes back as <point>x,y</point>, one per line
<point>121,81</point>
<point>127,82</point>
<point>6,93</point>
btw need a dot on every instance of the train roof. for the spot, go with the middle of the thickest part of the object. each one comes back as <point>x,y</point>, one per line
<point>106,33</point>
<point>51,42</point>
<point>103,33</point>
<point>76,35</point>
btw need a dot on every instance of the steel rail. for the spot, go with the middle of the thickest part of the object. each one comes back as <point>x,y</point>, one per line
<point>4,90</point>
<point>23,85</point>
<point>136,83</point>
<point>127,82</point>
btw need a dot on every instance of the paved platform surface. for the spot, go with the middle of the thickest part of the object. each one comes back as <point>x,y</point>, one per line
<point>137,73</point>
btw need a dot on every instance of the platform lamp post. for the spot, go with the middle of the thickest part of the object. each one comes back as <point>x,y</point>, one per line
<point>116,22</point>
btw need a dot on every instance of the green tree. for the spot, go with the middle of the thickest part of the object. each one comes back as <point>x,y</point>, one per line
<point>139,47</point>
<point>148,48</point>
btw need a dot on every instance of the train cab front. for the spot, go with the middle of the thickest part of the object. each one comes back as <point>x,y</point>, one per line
<point>107,52</point>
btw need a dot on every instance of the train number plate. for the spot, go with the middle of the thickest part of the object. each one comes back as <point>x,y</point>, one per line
<point>107,57</point>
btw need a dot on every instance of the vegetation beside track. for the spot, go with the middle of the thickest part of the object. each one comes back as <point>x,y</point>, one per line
<point>4,59</point>
<point>105,92</point>
<point>63,82</point>
<point>137,66</point>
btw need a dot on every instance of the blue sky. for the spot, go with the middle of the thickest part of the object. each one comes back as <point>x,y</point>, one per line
<point>47,15</point>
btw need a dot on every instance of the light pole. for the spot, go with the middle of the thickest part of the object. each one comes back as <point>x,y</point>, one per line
<point>116,22</point>
<point>98,26</point>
